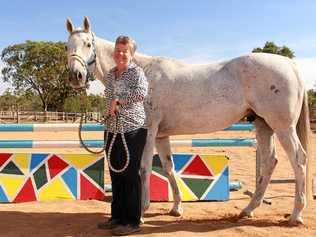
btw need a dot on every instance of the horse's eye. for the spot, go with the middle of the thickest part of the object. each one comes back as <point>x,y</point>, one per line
<point>89,45</point>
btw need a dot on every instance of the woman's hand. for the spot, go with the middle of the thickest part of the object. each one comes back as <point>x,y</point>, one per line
<point>114,107</point>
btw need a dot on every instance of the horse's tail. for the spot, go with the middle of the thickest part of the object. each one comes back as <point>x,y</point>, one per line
<point>303,132</point>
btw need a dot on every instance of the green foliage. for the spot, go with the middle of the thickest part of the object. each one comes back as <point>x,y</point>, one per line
<point>271,47</point>
<point>312,102</point>
<point>24,101</point>
<point>39,69</point>
<point>8,101</point>
<point>97,103</point>
<point>31,102</point>
<point>93,103</point>
<point>73,104</point>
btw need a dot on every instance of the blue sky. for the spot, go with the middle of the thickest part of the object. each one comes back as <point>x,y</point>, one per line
<point>197,31</point>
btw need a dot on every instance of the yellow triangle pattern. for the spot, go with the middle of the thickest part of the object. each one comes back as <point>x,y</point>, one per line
<point>216,163</point>
<point>55,189</point>
<point>186,193</point>
<point>80,161</point>
<point>11,184</point>
<point>22,160</point>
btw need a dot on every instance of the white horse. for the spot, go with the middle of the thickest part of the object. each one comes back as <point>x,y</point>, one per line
<point>190,99</point>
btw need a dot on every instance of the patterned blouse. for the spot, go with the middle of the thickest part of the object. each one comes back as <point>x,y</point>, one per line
<point>132,87</point>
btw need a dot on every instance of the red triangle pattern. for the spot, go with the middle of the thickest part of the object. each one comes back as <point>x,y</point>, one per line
<point>27,193</point>
<point>56,165</point>
<point>4,157</point>
<point>159,188</point>
<point>197,167</point>
<point>89,191</point>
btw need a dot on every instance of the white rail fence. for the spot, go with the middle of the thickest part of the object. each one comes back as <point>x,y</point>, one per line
<point>49,116</point>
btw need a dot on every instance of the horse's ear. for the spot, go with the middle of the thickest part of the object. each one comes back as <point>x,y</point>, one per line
<point>86,24</point>
<point>69,25</point>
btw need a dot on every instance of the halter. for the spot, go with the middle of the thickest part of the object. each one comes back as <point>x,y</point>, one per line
<point>90,61</point>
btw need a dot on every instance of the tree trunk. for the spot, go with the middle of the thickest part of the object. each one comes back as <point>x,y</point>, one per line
<point>45,114</point>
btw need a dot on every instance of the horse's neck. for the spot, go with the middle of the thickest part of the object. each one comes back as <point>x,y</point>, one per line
<point>143,60</point>
<point>104,62</point>
<point>170,67</point>
<point>104,51</point>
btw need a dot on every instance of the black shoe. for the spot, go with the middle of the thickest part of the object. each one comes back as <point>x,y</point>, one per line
<point>110,224</point>
<point>125,230</point>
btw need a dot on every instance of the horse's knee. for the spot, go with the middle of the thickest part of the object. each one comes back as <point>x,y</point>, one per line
<point>168,165</point>
<point>301,157</point>
<point>300,201</point>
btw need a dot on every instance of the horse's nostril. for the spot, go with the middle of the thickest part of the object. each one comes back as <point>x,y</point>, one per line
<point>79,75</point>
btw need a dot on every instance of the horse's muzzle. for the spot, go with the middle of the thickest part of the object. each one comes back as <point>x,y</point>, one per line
<point>76,79</point>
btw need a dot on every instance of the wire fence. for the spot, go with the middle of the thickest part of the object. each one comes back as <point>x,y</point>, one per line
<point>48,116</point>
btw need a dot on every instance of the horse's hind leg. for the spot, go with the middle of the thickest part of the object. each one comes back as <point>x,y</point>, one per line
<point>292,146</point>
<point>266,152</point>
<point>164,151</point>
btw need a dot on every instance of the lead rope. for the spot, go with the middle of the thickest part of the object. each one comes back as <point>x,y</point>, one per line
<point>118,126</point>
<point>118,123</point>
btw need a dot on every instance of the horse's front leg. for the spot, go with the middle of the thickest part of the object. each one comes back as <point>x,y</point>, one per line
<point>146,167</point>
<point>164,151</point>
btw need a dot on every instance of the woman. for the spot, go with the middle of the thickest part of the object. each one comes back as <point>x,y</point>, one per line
<point>125,93</point>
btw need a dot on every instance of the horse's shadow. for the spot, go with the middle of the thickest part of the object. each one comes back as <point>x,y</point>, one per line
<point>14,223</point>
<point>207,224</point>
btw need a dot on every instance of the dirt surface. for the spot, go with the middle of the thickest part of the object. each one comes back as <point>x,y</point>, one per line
<point>79,218</point>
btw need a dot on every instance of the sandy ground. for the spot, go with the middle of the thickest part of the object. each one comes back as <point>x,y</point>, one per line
<point>79,218</point>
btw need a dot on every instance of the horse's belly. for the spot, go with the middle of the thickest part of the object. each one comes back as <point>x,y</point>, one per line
<point>200,121</point>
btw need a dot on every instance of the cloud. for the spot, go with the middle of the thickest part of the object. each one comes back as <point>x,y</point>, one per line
<point>307,69</point>
<point>96,88</point>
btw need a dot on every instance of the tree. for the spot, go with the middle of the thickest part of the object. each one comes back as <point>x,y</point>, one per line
<point>38,68</point>
<point>22,101</point>
<point>8,101</point>
<point>312,103</point>
<point>92,103</point>
<point>97,103</point>
<point>271,47</point>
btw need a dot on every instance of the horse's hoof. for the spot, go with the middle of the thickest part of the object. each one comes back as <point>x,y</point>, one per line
<point>175,213</point>
<point>244,214</point>
<point>146,207</point>
<point>296,222</point>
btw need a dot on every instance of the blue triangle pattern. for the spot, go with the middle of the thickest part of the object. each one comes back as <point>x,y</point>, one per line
<point>70,178</point>
<point>3,196</point>
<point>36,159</point>
<point>180,160</point>
<point>220,190</point>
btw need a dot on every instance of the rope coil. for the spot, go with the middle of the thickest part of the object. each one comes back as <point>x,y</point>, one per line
<point>118,130</point>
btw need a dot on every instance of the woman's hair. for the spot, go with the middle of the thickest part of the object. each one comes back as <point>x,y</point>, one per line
<point>126,40</point>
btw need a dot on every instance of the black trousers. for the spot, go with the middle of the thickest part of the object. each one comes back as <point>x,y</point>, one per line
<point>126,186</point>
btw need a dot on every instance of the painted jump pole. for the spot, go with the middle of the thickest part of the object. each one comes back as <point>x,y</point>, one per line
<point>100,143</point>
<point>87,127</point>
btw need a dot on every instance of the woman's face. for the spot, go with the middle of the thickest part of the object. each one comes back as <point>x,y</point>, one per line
<point>122,56</point>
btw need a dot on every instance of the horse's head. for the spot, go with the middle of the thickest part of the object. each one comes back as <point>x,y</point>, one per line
<point>81,54</point>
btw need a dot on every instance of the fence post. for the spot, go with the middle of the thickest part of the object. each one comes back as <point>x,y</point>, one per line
<point>17,117</point>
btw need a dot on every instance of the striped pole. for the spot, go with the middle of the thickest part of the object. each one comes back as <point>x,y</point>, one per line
<point>87,127</point>
<point>100,143</point>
